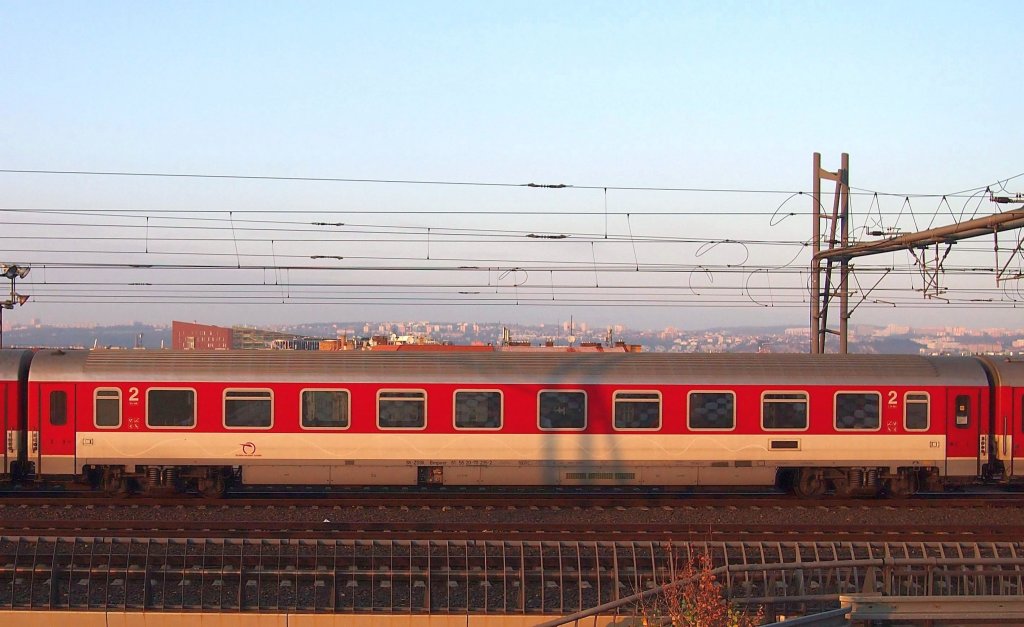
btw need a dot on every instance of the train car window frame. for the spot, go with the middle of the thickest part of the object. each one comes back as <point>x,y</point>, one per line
<point>58,408</point>
<point>907,402</point>
<point>782,401</point>
<point>348,409</point>
<point>835,409</point>
<point>455,409</point>
<point>422,398</point>
<point>689,410</point>
<point>149,406</point>
<point>651,396</point>
<point>102,394</point>
<point>247,395</point>
<point>540,402</point>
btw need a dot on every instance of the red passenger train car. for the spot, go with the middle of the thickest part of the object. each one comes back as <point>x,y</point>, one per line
<point>1006,443</point>
<point>845,423</point>
<point>13,384</point>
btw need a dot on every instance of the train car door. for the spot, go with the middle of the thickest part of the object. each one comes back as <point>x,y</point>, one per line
<point>966,447</point>
<point>55,440</point>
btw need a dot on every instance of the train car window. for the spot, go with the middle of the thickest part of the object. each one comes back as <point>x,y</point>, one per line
<point>784,411</point>
<point>107,408</point>
<point>478,409</point>
<point>248,409</point>
<point>711,410</point>
<point>401,409</point>
<point>637,410</point>
<point>963,411</point>
<point>325,409</point>
<point>858,411</point>
<point>58,408</point>
<point>915,411</point>
<point>562,409</point>
<point>170,408</point>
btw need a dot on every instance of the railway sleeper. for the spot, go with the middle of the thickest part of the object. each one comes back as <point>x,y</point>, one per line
<point>858,481</point>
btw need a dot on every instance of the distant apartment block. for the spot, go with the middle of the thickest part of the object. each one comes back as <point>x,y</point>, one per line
<point>198,337</point>
<point>191,336</point>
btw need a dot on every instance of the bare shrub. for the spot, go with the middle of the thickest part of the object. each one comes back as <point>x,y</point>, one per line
<point>695,598</point>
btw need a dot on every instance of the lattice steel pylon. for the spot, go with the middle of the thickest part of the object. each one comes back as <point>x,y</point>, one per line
<point>823,289</point>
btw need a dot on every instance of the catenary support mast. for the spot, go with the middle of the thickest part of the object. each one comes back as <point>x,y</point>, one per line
<point>839,251</point>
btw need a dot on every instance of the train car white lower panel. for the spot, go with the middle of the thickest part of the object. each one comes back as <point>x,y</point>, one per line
<point>504,459</point>
<point>250,446</point>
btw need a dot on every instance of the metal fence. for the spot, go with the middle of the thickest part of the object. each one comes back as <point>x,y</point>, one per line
<point>475,577</point>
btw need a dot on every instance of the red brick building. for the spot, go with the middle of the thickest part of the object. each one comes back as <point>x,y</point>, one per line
<point>190,336</point>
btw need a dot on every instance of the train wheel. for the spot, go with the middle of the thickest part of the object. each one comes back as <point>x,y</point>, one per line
<point>213,487</point>
<point>114,483</point>
<point>809,483</point>
<point>842,488</point>
<point>902,486</point>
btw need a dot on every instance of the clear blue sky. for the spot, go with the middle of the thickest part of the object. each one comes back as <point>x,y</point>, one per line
<point>923,95</point>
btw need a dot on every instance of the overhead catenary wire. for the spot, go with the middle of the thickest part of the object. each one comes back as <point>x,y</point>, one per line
<point>330,242</point>
<point>458,183</point>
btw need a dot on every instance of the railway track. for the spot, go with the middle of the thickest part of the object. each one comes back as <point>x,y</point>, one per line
<point>999,499</point>
<point>977,517</point>
<point>517,531</point>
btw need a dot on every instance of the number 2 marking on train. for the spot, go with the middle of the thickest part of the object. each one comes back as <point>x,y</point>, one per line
<point>133,395</point>
<point>892,398</point>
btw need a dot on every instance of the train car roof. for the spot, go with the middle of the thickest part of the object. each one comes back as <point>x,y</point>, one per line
<point>507,367</point>
<point>1006,370</point>
<point>11,361</point>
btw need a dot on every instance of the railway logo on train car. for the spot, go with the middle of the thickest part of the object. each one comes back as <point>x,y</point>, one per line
<point>248,450</point>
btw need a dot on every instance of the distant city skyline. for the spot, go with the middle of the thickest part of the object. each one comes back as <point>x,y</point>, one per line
<point>864,338</point>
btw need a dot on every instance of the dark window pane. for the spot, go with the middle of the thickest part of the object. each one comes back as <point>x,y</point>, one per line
<point>171,408</point>
<point>857,410</point>
<point>402,410</point>
<point>563,410</point>
<point>325,408</point>
<point>917,412</point>
<point>108,408</point>
<point>248,408</point>
<point>963,411</point>
<point>478,410</point>
<point>58,408</point>
<point>637,410</point>
<point>712,410</point>
<point>784,410</point>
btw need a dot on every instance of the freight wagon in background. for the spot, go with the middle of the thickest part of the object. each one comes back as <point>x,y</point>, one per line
<point>869,424</point>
